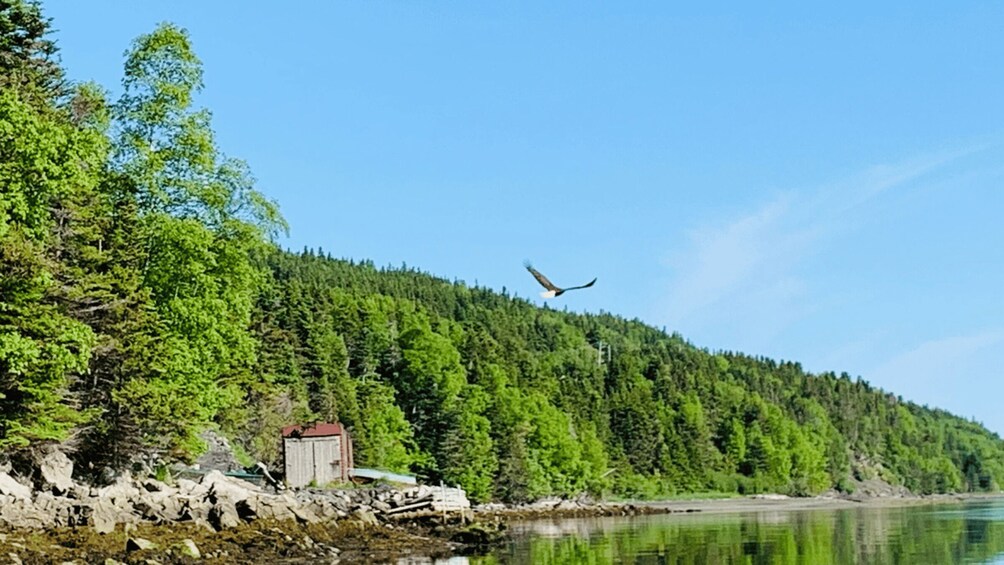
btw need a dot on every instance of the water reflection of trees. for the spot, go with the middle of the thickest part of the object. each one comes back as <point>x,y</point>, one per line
<point>863,535</point>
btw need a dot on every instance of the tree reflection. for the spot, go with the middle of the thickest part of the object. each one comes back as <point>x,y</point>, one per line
<point>913,534</point>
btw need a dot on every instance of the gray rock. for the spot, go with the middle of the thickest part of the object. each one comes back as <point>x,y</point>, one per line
<point>326,510</point>
<point>249,509</point>
<point>545,503</point>
<point>196,511</point>
<point>139,544</point>
<point>567,505</point>
<point>120,492</point>
<point>188,548</point>
<point>219,456</point>
<point>10,487</point>
<point>222,488</point>
<point>53,511</point>
<point>79,492</point>
<point>169,510</point>
<point>304,514</point>
<point>153,485</point>
<point>21,513</point>
<point>56,470</point>
<point>366,517</point>
<point>186,486</point>
<point>279,507</point>
<point>223,515</point>
<point>157,507</point>
<point>104,515</point>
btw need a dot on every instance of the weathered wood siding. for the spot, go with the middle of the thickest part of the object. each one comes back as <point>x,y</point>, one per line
<point>313,459</point>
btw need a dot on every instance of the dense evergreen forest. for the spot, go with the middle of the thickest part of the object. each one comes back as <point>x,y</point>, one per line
<point>143,300</point>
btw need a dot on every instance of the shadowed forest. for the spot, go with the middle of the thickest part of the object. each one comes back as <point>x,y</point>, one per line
<point>143,300</point>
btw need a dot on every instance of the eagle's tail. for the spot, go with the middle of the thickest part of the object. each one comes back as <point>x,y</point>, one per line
<point>549,294</point>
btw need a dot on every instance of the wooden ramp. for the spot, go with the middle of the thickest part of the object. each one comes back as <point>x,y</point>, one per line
<point>446,499</point>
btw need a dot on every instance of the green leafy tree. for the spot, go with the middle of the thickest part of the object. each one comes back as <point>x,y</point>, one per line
<point>468,453</point>
<point>383,437</point>
<point>201,221</point>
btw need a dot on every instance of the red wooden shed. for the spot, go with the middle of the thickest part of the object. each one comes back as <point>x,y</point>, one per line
<point>319,453</point>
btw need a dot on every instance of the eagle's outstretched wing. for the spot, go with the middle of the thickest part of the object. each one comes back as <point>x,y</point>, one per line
<point>552,289</point>
<point>540,278</point>
<point>587,285</point>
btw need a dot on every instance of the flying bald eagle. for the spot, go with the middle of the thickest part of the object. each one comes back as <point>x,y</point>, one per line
<point>552,290</point>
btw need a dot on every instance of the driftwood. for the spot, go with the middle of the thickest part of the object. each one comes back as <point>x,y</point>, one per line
<point>411,507</point>
<point>269,478</point>
<point>438,499</point>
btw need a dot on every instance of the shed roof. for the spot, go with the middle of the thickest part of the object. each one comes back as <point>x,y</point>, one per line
<point>314,430</point>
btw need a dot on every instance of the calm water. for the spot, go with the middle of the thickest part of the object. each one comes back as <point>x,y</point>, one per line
<point>972,532</point>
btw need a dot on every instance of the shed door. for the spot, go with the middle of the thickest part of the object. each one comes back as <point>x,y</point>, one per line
<point>326,465</point>
<point>299,465</point>
<point>336,459</point>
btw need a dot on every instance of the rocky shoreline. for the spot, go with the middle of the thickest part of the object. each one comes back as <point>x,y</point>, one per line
<point>217,518</point>
<point>222,519</point>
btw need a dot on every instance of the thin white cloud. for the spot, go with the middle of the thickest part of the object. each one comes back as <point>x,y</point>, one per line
<point>925,371</point>
<point>724,259</point>
<point>848,194</point>
<point>733,268</point>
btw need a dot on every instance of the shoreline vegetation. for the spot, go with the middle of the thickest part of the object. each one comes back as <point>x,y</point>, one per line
<point>221,519</point>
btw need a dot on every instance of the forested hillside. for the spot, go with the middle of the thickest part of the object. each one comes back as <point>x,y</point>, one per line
<point>143,300</point>
<point>516,401</point>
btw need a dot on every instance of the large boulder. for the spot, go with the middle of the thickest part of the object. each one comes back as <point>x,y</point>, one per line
<point>366,517</point>
<point>22,513</point>
<point>188,548</point>
<point>223,515</point>
<point>56,471</point>
<point>139,544</point>
<point>105,513</point>
<point>10,487</point>
<point>58,511</point>
<point>122,491</point>
<point>266,507</point>
<point>223,488</point>
<point>195,510</point>
<point>159,506</point>
<point>304,514</point>
<point>192,489</point>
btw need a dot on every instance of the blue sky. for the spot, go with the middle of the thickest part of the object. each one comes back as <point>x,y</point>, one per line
<point>822,184</point>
